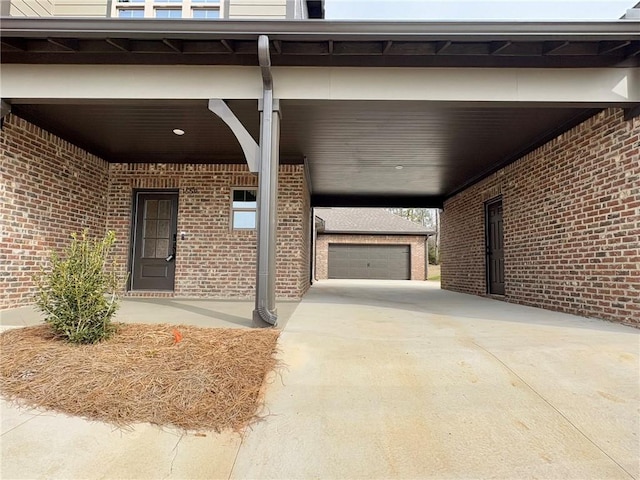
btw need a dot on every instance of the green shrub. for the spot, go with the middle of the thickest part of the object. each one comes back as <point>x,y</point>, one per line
<point>433,256</point>
<point>78,296</point>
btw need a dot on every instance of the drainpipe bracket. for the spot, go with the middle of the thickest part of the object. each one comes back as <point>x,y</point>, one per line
<point>276,105</point>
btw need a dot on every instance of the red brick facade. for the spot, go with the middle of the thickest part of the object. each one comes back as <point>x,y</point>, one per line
<point>571,212</point>
<point>213,260</point>
<point>416,243</point>
<point>52,188</point>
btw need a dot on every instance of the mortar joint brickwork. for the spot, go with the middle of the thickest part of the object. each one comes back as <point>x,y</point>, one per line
<point>52,188</point>
<point>571,212</point>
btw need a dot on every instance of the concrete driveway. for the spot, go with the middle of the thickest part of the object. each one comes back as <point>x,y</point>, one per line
<point>391,380</point>
<point>403,380</point>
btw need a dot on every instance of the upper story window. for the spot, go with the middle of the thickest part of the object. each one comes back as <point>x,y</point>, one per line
<point>202,9</point>
<point>243,209</point>
<point>206,13</point>
<point>130,13</point>
<point>168,13</point>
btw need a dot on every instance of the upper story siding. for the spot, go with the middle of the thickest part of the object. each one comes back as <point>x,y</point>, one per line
<point>80,8</point>
<point>259,9</point>
<point>29,8</point>
<point>224,9</point>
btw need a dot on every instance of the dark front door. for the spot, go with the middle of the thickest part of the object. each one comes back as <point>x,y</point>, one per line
<point>495,248</point>
<point>154,246</point>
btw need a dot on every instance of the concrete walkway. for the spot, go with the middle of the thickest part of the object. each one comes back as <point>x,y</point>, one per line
<point>391,380</point>
<point>194,311</point>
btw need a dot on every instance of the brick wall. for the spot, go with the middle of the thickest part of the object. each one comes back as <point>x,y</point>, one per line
<point>571,214</point>
<point>213,260</point>
<point>415,242</point>
<point>50,189</point>
<point>294,232</point>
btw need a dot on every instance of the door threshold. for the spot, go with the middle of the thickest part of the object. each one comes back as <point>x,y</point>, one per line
<point>150,293</point>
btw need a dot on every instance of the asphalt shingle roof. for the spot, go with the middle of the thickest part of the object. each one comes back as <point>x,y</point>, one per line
<point>368,220</point>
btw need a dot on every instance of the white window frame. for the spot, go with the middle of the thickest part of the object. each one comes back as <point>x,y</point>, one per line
<point>158,7</point>
<point>238,209</point>
<point>150,7</point>
<point>195,8</point>
<point>130,6</point>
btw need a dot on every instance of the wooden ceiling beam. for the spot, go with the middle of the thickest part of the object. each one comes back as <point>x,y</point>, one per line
<point>228,45</point>
<point>441,47</point>
<point>175,45</point>
<point>69,44</point>
<point>121,44</point>
<point>19,44</point>
<point>497,47</point>
<point>605,48</point>
<point>550,48</point>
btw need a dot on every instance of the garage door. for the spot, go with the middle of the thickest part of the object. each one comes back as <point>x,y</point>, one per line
<point>385,262</point>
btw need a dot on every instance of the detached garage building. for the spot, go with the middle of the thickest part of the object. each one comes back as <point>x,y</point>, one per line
<point>369,243</point>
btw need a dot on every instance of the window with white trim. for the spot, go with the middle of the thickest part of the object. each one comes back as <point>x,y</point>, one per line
<point>130,13</point>
<point>206,13</point>
<point>199,9</point>
<point>168,13</point>
<point>243,208</point>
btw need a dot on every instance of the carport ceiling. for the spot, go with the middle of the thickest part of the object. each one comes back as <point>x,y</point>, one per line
<point>354,149</point>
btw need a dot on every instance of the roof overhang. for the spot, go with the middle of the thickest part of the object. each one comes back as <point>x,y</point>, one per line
<point>322,43</point>
<point>476,97</point>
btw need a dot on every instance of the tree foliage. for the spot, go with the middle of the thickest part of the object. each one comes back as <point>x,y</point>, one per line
<point>79,295</point>
<point>424,216</point>
<point>429,218</point>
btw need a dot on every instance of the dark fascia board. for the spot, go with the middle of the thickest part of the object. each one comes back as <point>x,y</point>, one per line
<point>317,30</point>
<point>370,200</point>
<point>426,233</point>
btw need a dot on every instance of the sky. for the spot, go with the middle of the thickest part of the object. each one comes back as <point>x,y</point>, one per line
<point>513,10</point>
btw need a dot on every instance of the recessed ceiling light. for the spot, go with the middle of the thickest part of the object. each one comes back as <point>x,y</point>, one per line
<point>178,131</point>
<point>399,167</point>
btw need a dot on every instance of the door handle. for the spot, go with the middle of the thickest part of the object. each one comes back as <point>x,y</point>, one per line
<point>172,255</point>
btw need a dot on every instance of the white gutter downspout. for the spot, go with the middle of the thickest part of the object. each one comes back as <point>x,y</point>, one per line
<point>265,314</point>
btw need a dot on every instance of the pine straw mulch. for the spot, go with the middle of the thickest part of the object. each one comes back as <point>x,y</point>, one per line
<point>183,376</point>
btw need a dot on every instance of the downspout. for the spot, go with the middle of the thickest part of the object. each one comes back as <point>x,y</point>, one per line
<point>265,314</point>
<point>314,238</point>
<point>426,257</point>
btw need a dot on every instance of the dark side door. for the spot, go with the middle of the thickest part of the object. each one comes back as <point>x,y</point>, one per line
<point>154,241</point>
<point>495,248</point>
